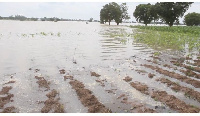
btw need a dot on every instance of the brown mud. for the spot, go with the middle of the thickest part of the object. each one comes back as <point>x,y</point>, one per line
<point>42,82</point>
<point>173,102</point>
<point>151,75</point>
<point>87,99</point>
<point>68,77</point>
<point>5,100</point>
<point>162,96</point>
<point>176,87</point>
<point>95,74</point>
<point>182,78</point>
<point>191,73</point>
<point>62,71</point>
<point>52,104</point>
<point>127,79</point>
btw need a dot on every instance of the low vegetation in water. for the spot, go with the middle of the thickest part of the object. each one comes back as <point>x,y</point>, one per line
<point>176,38</point>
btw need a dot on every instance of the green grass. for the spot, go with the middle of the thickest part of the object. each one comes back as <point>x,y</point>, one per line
<point>168,37</point>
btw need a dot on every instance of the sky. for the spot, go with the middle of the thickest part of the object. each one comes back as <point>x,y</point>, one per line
<point>69,10</point>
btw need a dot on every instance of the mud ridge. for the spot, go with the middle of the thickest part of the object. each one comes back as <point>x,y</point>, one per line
<point>176,87</point>
<point>87,99</point>
<point>174,103</point>
<point>197,69</point>
<point>52,104</point>
<point>42,82</point>
<point>162,96</point>
<point>191,73</point>
<point>193,82</point>
<point>143,89</point>
<point>6,99</point>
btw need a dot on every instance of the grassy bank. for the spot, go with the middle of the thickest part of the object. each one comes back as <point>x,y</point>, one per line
<point>177,37</point>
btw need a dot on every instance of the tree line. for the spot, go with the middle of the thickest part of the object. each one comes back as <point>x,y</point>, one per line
<point>167,12</point>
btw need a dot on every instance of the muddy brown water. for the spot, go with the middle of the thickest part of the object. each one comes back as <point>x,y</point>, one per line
<point>40,57</point>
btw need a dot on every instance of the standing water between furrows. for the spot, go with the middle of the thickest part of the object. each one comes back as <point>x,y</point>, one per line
<point>41,61</point>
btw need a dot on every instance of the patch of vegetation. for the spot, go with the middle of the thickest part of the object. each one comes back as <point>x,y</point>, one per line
<point>43,33</point>
<point>175,38</point>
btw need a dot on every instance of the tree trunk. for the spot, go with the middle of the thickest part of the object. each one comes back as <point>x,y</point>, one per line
<point>117,23</point>
<point>145,24</point>
<point>109,22</point>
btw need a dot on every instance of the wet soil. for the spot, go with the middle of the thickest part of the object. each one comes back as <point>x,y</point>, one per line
<point>162,96</point>
<point>95,74</point>
<point>182,78</point>
<point>151,75</point>
<point>173,102</point>
<point>190,73</point>
<point>68,77</point>
<point>87,99</point>
<point>176,87</point>
<point>6,99</point>
<point>42,82</point>
<point>127,79</point>
<point>52,104</point>
<point>140,87</point>
<point>62,71</point>
<point>9,82</point>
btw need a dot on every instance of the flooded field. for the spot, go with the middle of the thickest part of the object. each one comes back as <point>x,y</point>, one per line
<point>77,67</point>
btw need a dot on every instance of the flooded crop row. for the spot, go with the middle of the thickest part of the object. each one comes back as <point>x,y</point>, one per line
<point>69,67</point>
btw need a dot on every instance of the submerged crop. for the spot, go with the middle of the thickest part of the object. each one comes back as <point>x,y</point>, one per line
<point>176,38</point>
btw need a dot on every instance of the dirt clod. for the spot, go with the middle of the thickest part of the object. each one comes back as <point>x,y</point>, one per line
<point>151,75</point>
<point>94,74</point>
<point>62,71</point>
<point>127,79</point>
<point>68,77</point>
<point>42,82</point>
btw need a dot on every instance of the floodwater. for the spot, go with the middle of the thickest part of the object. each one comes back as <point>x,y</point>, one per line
<point>29,49</point>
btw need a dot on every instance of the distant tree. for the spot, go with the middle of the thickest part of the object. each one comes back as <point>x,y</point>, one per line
<point>113,11</point>
<point>91,19</point>
<point>170,12</point>
<point>124,10</point>
<point>20,17</point>
<point>145,13</point>
<point>1,18</point>
<point>192,19</point>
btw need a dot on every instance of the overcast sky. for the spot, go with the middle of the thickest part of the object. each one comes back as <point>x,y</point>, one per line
<point>71,10</point>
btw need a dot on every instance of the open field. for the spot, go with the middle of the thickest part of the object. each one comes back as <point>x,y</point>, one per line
<point>69,67</point>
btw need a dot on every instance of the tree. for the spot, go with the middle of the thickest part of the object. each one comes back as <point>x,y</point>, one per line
<point>113,11</point>
<point>170,12</point>
<point>192,19</point>
<point>145,13</point>
<point>91,19</point>
<point>124,10</point>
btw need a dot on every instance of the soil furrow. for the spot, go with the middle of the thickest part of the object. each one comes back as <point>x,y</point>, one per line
<point>52,103</point>
<point>162,96</point>
<point>176,87</point>
<point>87,99</point>
<point>6,99</point>
<point>193,82</point>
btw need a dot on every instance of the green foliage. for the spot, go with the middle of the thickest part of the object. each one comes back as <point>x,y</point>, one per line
<point>169,38</point>
<point>170,12</point>
<point>192,19</point>
<point>145,13</point>
<point>113,11</point>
